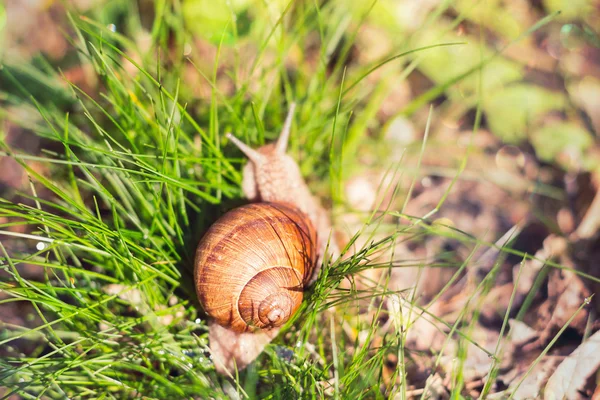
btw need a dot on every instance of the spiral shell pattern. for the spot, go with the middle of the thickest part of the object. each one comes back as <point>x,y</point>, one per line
<point>252,266</point>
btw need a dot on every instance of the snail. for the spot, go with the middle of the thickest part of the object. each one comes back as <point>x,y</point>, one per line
<point>258,258</point>
<point>254,262</point>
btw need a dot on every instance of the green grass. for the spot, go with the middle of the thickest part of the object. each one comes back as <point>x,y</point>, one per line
<point>136,172</point>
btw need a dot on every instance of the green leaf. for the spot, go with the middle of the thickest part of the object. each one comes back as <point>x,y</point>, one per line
<point>495,15</point>
<point>209,18</point>
<point>446,63</point>
<point>511,110</point>
<point>569,9</point>
<point>563,138</point>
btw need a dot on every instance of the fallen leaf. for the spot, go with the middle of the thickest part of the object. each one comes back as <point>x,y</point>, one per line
<point>572,373</point>
<point>596,395</point>
<point>496,303</point>
<point>128,294</point>
<point>586,94</point>
<point>566,292</point>
<point>531,386</point>
<point>590,223</point>
<point>423,333</point>
<point>361,193</point>
<point>521,333</point>
<point>231,350</point>
<point>553,246</point>
<point>435,388</point>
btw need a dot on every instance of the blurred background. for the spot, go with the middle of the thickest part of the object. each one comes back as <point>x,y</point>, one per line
<point>476,119</point>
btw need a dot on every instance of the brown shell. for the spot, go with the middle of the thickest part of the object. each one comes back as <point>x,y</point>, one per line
<point>252,266</point>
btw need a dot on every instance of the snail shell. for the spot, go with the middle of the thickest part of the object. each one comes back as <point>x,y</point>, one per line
<point>252,266</point>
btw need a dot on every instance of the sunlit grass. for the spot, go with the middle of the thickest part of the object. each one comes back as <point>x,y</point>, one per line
<point>138,171</point>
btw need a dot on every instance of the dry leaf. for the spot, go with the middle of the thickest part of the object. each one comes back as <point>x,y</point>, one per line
<point>532,385</point>
<point>361,192</point>
<point>590,223</point>
<point>553,246</point>
<point>231,350</point>
<point>566,292</point>
<point>423,333</point>
<point>496,303</point>
<point>596,395</point>
<point>435,388</point>
<point>520,332</point>
<point>572,373</point>
<point>129,294</point>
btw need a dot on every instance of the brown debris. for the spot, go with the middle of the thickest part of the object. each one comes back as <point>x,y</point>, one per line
<point>571,375</point>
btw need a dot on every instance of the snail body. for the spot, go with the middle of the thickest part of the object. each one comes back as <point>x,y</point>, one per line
<point>254,262</point>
